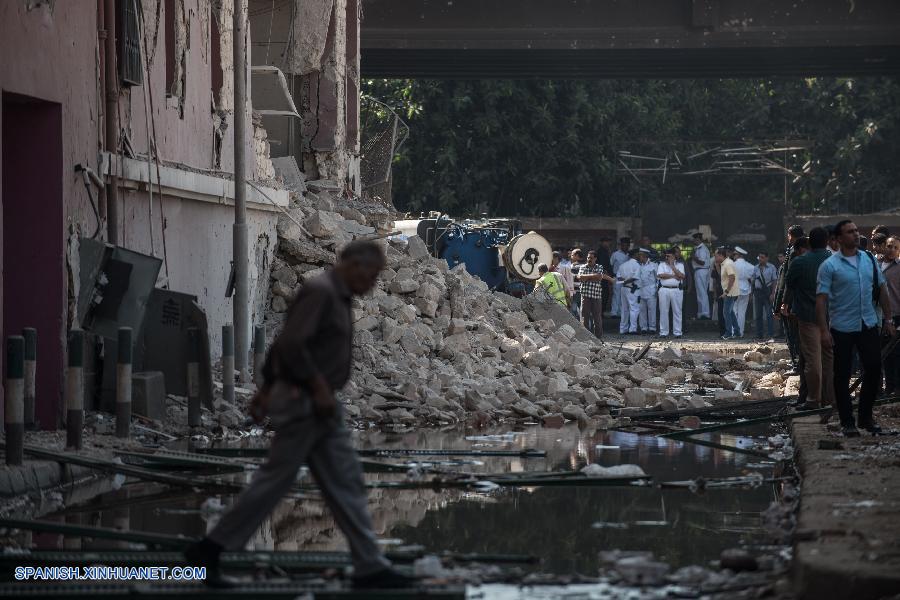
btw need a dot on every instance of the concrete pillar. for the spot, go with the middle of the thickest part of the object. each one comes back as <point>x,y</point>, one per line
<point>15,399</point>
<point>193,377</point>
<point>75,390</point>
<point>123,384</point>
<point>259,354</point>
<point>30,335</point>
<point>228,363</point>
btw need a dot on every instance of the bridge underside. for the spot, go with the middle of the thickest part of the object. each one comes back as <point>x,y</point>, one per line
<point>662,64</point>
<point>633,38</point>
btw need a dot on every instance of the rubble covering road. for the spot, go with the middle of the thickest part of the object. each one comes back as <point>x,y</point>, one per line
<point>434,346</point>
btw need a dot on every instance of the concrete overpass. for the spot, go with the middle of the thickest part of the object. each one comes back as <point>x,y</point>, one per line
<point>628,38</point>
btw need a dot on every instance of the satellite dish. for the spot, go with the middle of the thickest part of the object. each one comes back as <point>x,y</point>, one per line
<point>524,253</point>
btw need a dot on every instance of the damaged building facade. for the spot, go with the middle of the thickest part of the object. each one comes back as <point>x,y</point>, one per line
<point>117,127</point>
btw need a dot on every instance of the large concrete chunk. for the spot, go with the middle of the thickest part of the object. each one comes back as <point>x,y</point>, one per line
<point>148,394</point>
<point>416,248</point>
<point>641,397</point>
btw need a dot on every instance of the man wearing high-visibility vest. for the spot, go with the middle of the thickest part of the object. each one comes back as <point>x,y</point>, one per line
<point>553,283</point>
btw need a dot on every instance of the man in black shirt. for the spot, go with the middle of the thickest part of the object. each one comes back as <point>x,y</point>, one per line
<point>307,363</point>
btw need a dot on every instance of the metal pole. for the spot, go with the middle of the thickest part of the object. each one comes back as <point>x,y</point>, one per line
<point>259,353</point>
<point>30,335</point>
<point>15,399</point>
<point>75,390</point>
<point>193,377</point>
<point>123,384</point>
<point>240,251</point>
<point>228,363</point>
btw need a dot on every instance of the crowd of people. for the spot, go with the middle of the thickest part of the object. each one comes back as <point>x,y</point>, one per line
<point>839,304</point>
<point>635,283</point>
<point>833,294</point>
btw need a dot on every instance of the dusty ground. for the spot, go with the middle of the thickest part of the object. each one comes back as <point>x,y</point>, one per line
<point>847,541</point>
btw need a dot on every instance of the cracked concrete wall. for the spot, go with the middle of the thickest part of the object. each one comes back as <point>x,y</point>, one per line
<point>195,135</point>
<point>316,43</point>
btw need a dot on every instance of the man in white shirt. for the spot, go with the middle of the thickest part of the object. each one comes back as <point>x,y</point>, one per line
<point>628,278</point>
<point>670,273</point>
<point>745,275</point>
<point>615,261</point>
<point>700,261</point>
<point>563,266</point>
<point>647,293</point>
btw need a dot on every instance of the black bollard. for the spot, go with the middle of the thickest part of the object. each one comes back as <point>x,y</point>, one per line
<point>15,399</point>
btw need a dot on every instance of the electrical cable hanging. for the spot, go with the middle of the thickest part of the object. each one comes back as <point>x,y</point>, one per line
<point>143,45</point>
<point>152,146</point>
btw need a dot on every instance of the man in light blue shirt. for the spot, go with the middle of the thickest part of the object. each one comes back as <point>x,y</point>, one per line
<point>847,287</point>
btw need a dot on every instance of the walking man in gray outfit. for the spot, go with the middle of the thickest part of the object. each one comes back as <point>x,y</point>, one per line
<point>309,360</point>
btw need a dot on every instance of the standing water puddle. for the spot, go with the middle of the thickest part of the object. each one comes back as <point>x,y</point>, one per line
<point>566,527</point>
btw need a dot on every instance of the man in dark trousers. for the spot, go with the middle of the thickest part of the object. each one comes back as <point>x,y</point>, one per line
<point>848,286</point>
<point>310,360</point>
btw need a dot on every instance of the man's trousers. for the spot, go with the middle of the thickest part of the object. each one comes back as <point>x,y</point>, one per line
<point>701,282</point>
<point>892,367</point>
<point>762,309</point>
<point>647,314</point>
<point>592,315</point>
<point>670,297</point>
<point>731,329</point>
<point>818,365</point>
<point>740,311</point>
<point>868,346</point>
<point>630,309</point>
<point>324,445</point>
<point>617,299</point>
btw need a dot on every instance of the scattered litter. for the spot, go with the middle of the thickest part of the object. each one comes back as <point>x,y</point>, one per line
<point>595,470</point>
<point>860,504</point>
<point>495,437</point>
<point>485,486</point>
<point>640,570</point>
<point>212,505</point>
<point>609,525</point>
<point>428,566</point>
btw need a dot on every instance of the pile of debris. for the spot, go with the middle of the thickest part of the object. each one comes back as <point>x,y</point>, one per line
<point>435,346</point>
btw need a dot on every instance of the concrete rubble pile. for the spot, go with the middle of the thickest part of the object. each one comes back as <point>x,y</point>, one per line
<point>435,346</point>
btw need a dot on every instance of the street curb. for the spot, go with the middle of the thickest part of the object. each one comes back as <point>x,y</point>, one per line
<point>835,552</point>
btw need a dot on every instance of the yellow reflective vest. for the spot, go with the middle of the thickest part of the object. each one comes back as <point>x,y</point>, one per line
<point>553,283</point>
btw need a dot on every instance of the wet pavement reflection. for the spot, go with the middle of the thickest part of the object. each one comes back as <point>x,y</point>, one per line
<point>564,526</point>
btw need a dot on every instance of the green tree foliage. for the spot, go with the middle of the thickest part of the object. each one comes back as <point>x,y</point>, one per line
<point>550,148</point>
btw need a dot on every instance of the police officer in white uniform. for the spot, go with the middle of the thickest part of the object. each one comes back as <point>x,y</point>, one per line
<point>647,308</point>
<point>671,295</point>
<point>744,275</point>
<point>615,261</point>
<point>701,262</point>
<point>628,277</point>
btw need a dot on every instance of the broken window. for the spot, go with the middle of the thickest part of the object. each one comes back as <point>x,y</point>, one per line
<point>129,44</point>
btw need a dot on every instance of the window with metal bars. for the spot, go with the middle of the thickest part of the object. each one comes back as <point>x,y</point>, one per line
<point>129,44</point>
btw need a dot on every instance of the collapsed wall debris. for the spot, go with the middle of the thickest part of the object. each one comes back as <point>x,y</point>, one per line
<point>435,346</point>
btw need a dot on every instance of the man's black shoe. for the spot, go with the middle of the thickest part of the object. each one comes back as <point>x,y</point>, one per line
<point>873,428</point>
<point>206,553</point>
<point>386,579</point>
<point>850,431</point>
